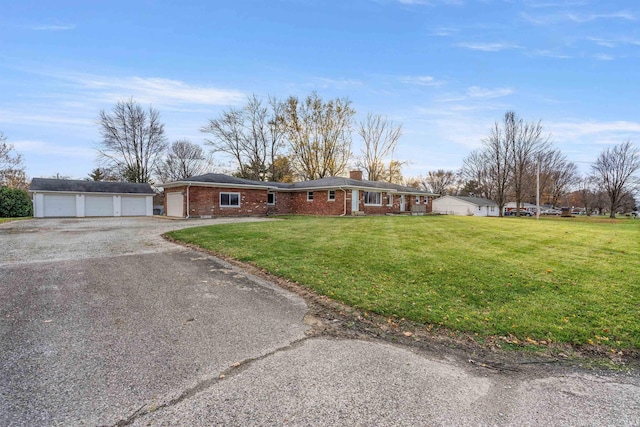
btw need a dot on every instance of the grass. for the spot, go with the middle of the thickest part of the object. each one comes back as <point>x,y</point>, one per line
<point>12,219</point>
<point>573,281</point>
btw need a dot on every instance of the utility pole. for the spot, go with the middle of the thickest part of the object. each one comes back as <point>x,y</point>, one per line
<point>538,190</point>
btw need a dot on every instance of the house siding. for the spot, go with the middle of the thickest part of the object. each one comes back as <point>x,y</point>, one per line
<point>204,201</point>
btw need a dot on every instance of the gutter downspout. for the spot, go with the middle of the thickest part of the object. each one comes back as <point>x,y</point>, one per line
<point>344,192</point>
<point>188,185</point>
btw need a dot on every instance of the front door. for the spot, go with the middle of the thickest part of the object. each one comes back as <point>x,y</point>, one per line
<point>355,201</point>
<point>402,203</point>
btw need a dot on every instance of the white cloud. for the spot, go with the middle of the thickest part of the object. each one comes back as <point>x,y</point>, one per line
<point>431,2</point>
<point>488,47</point>
<point>46,148</point>
<point>444,32</point>
<point>579,18</point>
<point>556,4</point>
<point>479,92</point>
<point>421,80</point>
<point>604,57</point>
<point>576,130</point>
<point>326,83</point>
<point>551,54</point>
<point>157,91</point>
<point>624,15</point>
<point>15,116</point>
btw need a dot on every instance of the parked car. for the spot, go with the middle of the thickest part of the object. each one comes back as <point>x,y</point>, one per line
<point>550,212</point>
<point>522,213</point>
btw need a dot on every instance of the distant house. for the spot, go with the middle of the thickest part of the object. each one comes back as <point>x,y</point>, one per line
<point>527,207</point>
<point>223,195</point>
<point>71,198</point>
<point>468,206</point>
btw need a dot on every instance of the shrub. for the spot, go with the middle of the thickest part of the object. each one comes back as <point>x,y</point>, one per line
<point>15,203</point>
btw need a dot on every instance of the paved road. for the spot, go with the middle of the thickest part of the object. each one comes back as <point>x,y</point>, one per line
<point>104,323</point>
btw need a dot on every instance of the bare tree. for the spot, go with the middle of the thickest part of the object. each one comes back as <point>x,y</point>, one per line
<point>380,137</point>
<point>587,194</point>
<point>252,135</point>
<point>557,175</point>
<point>491,166</point>
<point>184,159</point>
<point>613,172</point>
<point>12,166</point>
<point>526,144</point>
<point>319,135</point>
<point>440,182</point>
<point>475,173</point>
<point>132,140</point>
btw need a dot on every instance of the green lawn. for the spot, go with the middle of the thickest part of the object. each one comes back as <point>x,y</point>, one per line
<point>573,280</point>
<point>11,219</point>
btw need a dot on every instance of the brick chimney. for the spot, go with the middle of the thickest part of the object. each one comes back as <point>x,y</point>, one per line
<point>355,175</point>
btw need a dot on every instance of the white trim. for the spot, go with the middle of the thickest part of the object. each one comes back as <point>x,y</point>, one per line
<point>364,198</point>
<point>329,199</point>
<point>229,206</point>
<point>293,190</point>
<point>218,184</point>
<point>90,193</point>
<point>274,198</point>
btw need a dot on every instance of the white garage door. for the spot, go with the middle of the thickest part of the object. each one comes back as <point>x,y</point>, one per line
<point>134,206</point>
<point>98,206</point>
<point>57,205</point>
<point>174,204</point>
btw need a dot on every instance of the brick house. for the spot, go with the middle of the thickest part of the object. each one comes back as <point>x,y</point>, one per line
<point>213,195</point>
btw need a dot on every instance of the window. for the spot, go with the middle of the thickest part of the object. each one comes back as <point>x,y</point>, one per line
<point>332,195</point>
<point>372,198</point>
<point>271,198</point>
<point>229,200</point>
<point>417,200</point>
<point>309,196</point>
<point>389,199</point>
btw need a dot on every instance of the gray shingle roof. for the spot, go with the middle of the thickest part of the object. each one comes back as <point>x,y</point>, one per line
<point>69,185</point>
<point>329,182</point>
<point>477,200</point>
<point>224,179</point>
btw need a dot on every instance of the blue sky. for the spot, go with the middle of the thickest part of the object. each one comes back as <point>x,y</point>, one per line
<point>445,69</point>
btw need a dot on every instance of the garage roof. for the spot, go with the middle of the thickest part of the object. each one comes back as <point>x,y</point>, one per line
<point>77,186</point>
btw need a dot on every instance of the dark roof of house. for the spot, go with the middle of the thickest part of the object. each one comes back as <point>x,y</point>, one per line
<point>224,179</point>
<point>77,186</point>
<point>329,182</point>
<point>476,200</point>
<point>336,181</point>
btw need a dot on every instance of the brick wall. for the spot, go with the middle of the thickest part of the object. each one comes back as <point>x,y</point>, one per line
<point>205,201</point>
<point>321,205</point>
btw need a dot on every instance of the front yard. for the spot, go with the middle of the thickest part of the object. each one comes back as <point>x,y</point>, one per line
<point>574,281</point>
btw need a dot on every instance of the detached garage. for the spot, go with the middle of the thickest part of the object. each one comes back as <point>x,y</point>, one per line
<point>469,206</point>
<point>71,198</point>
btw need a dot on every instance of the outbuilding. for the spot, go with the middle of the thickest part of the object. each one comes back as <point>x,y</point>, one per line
<point>74,198</point>
<point>468,206</point>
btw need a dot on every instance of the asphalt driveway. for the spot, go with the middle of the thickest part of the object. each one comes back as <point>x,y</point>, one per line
<point>105,323</point>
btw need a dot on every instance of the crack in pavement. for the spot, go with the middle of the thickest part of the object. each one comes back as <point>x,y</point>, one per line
<point>234,369</point>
